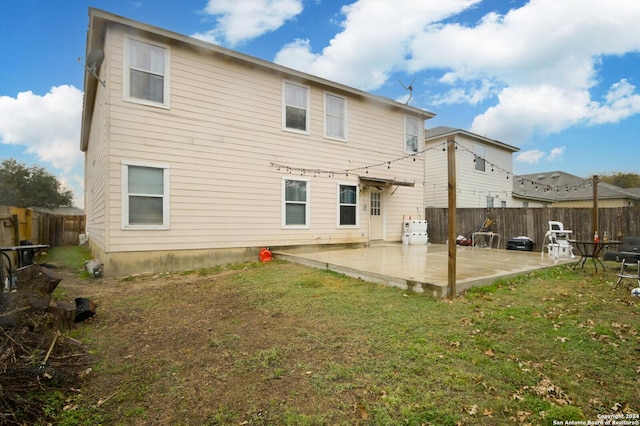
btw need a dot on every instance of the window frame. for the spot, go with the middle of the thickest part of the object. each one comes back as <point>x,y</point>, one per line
<point>307,130</point>
<point>339,204</point>
<point>408,118</point>
<point>307,203</point>
<point>166,214</point>
<point>327,116</point>
<point>126,74</point>
<point>480,158</point>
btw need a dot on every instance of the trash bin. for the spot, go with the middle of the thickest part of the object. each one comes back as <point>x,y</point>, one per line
<point>25,256</point>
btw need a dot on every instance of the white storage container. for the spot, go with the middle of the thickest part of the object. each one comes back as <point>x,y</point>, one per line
<point>415,226</point>
<point>418,238</point>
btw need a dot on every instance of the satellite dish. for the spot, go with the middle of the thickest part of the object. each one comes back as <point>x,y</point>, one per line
<point>93,62</point>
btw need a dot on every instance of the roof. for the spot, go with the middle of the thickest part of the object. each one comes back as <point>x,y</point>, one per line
<point>444,131</point>
<point>560,186</point>
<point>64,211</point>
<point>98,20</point>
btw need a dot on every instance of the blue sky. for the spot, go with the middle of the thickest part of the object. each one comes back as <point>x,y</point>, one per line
<point>558,79</point>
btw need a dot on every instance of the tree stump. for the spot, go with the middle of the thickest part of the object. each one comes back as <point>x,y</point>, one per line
<point>64,314</point>
<point>34,287</point>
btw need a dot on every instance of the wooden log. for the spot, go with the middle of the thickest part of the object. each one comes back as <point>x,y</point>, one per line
<point>34,287</point>
<point>64,314</point>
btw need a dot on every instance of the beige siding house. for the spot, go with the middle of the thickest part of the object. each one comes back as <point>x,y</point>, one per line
<point>484,169</point>
<point>196,155</point>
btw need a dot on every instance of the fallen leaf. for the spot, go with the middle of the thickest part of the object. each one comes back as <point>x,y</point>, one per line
<point>473,410</point>
<point>489,353</point>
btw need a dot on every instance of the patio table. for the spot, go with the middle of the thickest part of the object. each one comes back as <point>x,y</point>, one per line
<point>591,250</point>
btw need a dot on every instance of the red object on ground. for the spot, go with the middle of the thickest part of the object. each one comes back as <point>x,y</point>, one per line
<point>265,255</point>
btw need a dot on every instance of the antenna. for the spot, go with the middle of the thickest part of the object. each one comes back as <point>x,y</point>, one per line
<point>409,89</point>
<point>93,62</point>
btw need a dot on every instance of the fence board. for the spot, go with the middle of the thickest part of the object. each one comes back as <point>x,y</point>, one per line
<point>533,223</point>
<point>39,227</point>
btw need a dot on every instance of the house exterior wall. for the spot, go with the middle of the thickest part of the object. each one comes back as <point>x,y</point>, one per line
<point>96,170</point>
<point>219,140</point>
<point>473,186</point>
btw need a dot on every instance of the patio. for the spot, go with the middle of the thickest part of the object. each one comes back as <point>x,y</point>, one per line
<point>421,268</point>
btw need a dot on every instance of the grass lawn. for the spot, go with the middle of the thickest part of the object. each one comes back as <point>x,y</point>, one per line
<point>278,343</point>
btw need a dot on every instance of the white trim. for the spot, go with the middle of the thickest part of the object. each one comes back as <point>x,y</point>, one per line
<point>418,136</point>
<point>166,214</point>
<point>126,93</point>
<point>338,204</point>
<point>307,203</point>
<point>479,151</point>
<point>344,118</point>
<point>307,130</point>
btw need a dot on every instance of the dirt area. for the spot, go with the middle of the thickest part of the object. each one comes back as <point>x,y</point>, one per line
<point>203,349</point>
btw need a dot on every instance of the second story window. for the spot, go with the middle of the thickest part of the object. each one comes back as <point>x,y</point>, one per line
<point>146,73</point>
<point>295,108</point>
<point>335,113</point>
<point>480,152</point>
<point>411,135</point>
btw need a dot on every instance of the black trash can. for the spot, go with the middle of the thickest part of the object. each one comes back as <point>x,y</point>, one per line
<point>26,256</point>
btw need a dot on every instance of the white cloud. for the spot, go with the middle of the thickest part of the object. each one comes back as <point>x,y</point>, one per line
<point>537,65</point>
<point>620,102</point>
<point>47,126</point>
<point>374,42</point>
<point>530,157</point>
<point>238,21</point>
<point>556,153</point>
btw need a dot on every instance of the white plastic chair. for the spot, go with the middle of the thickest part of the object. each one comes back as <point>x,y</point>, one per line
<point>558,241</point>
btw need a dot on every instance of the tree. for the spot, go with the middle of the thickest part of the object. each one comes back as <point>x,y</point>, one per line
<point>622,180</point>
<point>22,186</point>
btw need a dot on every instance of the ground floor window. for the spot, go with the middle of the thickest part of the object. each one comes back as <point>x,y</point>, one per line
<point>295,208</point>
<point>347,205</point>
<point>145,200</point>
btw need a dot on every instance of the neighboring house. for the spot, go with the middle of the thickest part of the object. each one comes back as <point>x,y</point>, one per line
<point>196,155</point>
<point>560,189</point>
<point>484,169</point>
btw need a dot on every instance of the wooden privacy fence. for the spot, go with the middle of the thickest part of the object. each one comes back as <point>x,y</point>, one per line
<point>533,222</point>
<point>18,224</point>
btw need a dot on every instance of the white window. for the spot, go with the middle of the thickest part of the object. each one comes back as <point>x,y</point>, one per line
<point>411,135</point>
<point>145,196</point>
<point>489,202</point>
<point>146,73</point>
<point>376,205</point>
<point>295,203</point>
<point>295,115</point>
<point>347,205</point>
<point>480,152</point>
<point>335,117</point>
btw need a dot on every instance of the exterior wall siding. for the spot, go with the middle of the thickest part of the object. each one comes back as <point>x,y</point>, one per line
<point>473,186</point>
<point>219,138</point>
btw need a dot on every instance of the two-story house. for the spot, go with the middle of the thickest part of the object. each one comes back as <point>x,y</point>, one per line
<point>484,169</point>
<point>196,155</point>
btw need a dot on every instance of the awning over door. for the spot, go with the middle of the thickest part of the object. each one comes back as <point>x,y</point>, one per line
<point>374,181</point>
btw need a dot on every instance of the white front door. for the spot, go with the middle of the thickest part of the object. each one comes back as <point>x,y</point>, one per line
<point>376,214</point>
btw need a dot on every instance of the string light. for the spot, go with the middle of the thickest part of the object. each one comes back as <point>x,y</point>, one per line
<point>587,183</point>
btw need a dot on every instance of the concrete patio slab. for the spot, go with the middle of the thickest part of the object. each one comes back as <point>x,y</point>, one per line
<point>421,268</point>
